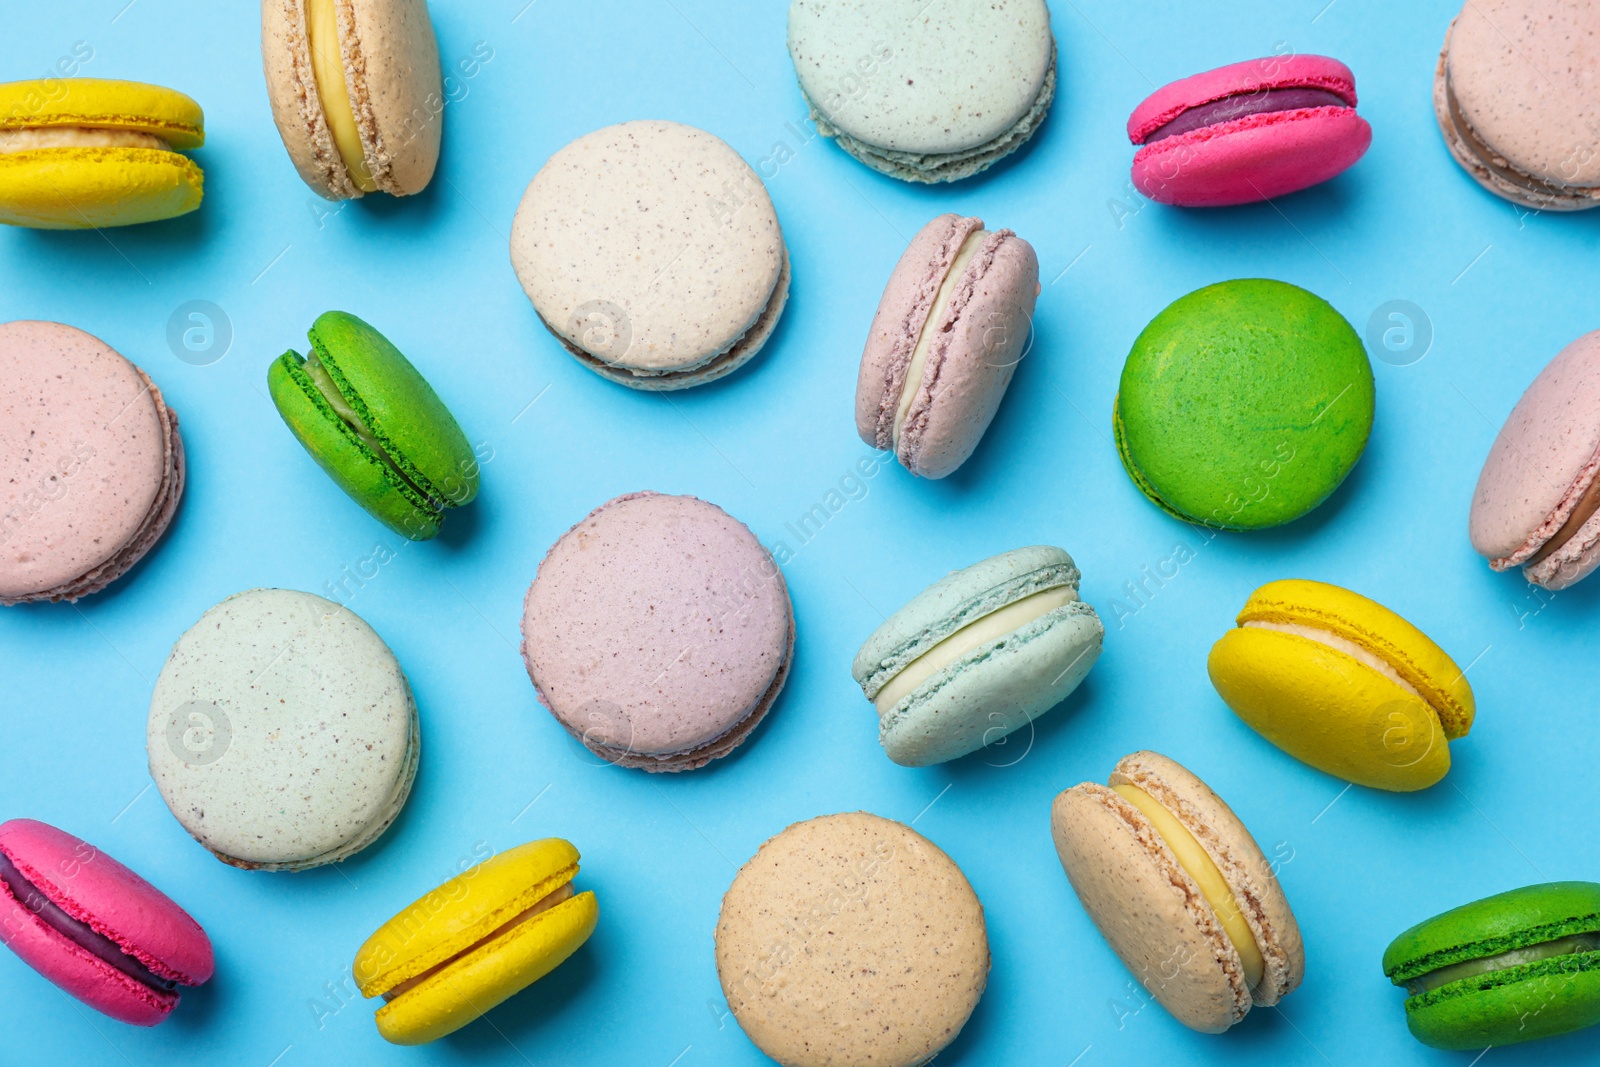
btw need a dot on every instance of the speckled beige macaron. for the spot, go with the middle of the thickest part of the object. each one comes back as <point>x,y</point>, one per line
<point>91,464</point>
<point>851,939</point>
<point>356,92</point>
<point>1180,891</point>
<point>1517,95</point>
<point>282,732</point>
<point>652,252</point>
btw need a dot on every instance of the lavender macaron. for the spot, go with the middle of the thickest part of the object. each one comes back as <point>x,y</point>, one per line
<point>953,324</point>
<point>1538,497</point>
<point>658,631</point>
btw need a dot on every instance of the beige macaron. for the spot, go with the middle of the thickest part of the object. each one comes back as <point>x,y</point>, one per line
<point>1180,891</point>
<point>355,91</point>
<point>851,939</point>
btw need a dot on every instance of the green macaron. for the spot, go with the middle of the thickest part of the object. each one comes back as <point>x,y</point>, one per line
<point>1244,404</point>
<point>375,425</point>
<point>1511,967</point>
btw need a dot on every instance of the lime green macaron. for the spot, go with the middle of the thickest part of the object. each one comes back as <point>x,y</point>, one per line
<point>1244,404</point>
<point>375,425</point>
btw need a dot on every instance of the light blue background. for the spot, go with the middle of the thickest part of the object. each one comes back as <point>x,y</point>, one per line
<point>1504,292</point>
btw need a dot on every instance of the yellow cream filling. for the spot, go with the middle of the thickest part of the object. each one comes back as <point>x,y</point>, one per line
<point>327,66</point>
<point>1342,644</point>
<point>1194,859</point>
<point>560,895</point>
<point>991,627</point>
<point>930,328</point>
<point>79,137</point>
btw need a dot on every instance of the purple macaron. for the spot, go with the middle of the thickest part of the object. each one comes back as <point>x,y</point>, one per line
<point>658,631</point>
<point>954,322</point>
<point>1537,505</point>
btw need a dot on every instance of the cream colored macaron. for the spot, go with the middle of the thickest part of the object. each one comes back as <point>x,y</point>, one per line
<point>1180,891</point>
<point>356,92</point>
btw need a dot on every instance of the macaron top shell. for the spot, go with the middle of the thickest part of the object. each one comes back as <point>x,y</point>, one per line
<point>83,456</point>
<point>1250,76</point>
<point>1523,80</point>
<point>97,890</point>
<point>1493,925</point>
<point>851,939</point>
<point>657,626</point>
<point>1244,405</point>
<point>1543,459</point>
<point>102,103</point>
<point>282,733</point>
<point>659,233</point>
<point>945,77</point>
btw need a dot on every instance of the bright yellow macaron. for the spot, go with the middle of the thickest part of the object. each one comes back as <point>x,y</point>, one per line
<point>77,153</point>
<point>1344,684</point>
<point>482,937</point>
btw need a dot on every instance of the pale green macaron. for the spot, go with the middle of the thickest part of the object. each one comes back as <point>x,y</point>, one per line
<point>978,654</point>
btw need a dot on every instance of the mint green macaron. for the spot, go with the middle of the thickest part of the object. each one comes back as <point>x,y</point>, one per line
<point>1244,405</point>
<point>1512,967</point>
<point>375,425</point>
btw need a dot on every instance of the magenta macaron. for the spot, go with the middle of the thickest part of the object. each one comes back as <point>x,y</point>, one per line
<point>1537,505</point>
<point>658,631</point>
<point>954,322</point>
<point>93,927</point>
<point>1247,132</point>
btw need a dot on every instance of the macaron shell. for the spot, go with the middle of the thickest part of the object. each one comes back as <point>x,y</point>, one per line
<point>296,104</point>
<point>398,91</point>
<point>1249,76</point>
<point>83,188</point>
<point>1542,460</point>
<point>1493,925</point>
<point>1329,710</point>
<point>973,357</point>
<point>104,103</point>
<point>1550,998</point>
<point>92,467</point>
<point>78,972</point>
<point>1148,909</point>
<point>473,985</point>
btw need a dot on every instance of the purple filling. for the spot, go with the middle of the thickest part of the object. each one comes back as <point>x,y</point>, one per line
<point>80,934</point>
<point>1239,105</point>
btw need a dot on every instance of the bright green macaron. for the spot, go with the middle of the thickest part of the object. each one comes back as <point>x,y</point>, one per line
<point>1511,967</point>
<point>1244,404</point>
<point>375,425</point>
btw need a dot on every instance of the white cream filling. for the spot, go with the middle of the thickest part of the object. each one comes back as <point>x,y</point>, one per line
<point>1348,647</point>
<point>79,137</point>
<point>930,327</point>
<point>991,627</point>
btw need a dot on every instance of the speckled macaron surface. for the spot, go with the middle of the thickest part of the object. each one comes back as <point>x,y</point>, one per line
<point>658,632</point>
<point>91,465</point>
<point>925,92</point>
<point>282,731</point>
<point>1517,96</point>
<point>652,251</point>
<point>851,939</point>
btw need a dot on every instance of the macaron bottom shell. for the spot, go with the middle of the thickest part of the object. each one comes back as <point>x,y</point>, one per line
<point>1505,1007</point>
<point>83,188</point>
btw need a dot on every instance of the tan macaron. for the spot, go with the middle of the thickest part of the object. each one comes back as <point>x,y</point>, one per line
<point>355,91</point>
<point>1180,890</point>
<point>851,939</point>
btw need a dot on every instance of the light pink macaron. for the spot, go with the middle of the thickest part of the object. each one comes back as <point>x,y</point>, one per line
<point>91,464</point>
<point>658,631</point>
<point>1537,504</point>
<point>1247,132</point>
<point>955,320</point>
<point>93,927</point>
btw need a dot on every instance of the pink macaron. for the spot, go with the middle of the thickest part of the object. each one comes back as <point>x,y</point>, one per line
<point>658,631</point>
<point>955,320</point>
<point>95,928</point>
<point>91,464</point>
<point>1538,497</point>
<point>1247,132</point>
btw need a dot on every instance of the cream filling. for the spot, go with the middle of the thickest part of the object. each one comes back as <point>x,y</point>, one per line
<point>543,905</point>
<point>1561,946</point>
<point>327,66</point>
<point>79,137</point>
<point>1193,858</point>
<point>930,327</point>
<point>1348,647</point>
<point>991,627</point>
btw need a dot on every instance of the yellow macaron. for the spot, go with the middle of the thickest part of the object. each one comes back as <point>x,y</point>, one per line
<point>81,153</point>
<point>482,937</point>
<point>1344,684</point>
